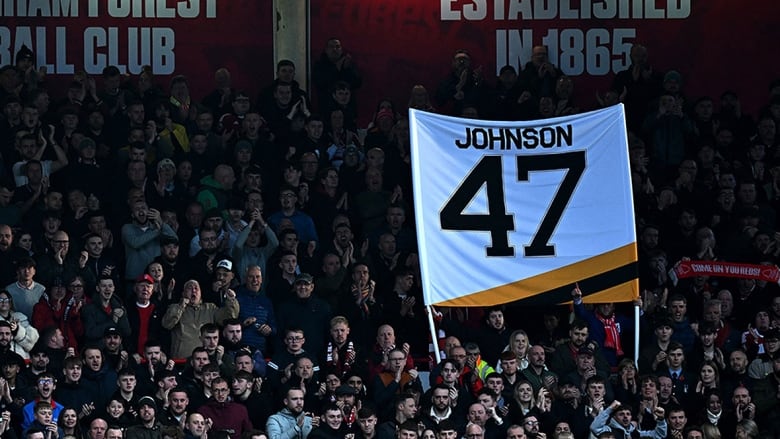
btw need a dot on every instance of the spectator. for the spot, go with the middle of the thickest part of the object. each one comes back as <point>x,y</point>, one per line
<point>226,415</point>
<point>29,149</point>
<point>606,328</point>
<point>288,198</point>
<point>145,317</point>
<point>98,376</point>
<point>185,318</point>
<point>307,312</point>
<point>45,386</point>
<point>22,336</point>
<point>149,427</point>
<point>215,188</point>
<point>71,391</point>
<point>104,313</point>
<point>54,310</point>
<point>177,403</point>
<point>256,312</point>
<point>563,359</point>
<point>462,87</point>
<point>537,372</point>
<point>617,418</point>
<point>291,421</point>
<point>142,238</point>
<point>332,424</point>
<point>259,403</point>
<point>283,361</point>
<point>248,250</point>
<point>333,66</point>
<point>394,381</point>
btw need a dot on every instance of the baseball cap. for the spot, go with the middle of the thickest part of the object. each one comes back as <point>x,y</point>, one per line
<point>585,350</point>
<point>145,278</point>
<point>146,400</point>
<point>345,389</point>
<point>87,142</point>
<point>166,162</point>
<point>226,264</point>
<point>304,277</point>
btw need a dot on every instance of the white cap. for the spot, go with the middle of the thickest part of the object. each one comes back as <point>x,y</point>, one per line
<point>226,264</point>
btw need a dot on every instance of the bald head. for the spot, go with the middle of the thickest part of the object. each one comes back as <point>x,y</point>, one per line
<point>225,176</point>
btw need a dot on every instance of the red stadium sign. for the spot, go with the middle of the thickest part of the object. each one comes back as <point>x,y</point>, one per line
<point>399,43</point>
<point>193,38</point>
<point>715,45</point>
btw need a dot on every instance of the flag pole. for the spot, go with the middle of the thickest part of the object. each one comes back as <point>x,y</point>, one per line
<point>434,338</point>
<point>636,334</point>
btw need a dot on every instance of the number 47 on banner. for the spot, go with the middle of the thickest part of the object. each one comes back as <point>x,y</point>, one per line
<point>489,171</point>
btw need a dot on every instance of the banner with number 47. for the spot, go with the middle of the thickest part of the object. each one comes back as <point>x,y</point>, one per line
<point>510,211</point>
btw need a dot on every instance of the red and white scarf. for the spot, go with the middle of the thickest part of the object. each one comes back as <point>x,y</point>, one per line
<point>612,338</point>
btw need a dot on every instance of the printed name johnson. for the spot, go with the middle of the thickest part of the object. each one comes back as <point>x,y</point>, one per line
<point>516,138</point>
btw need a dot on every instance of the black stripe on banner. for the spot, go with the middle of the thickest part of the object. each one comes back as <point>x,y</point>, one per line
<point>591,285</point>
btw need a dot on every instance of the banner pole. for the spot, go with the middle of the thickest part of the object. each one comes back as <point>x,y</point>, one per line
<point>636,335</point>
<point>434,338</point>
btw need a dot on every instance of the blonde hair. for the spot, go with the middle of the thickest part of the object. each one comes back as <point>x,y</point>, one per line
<point>338,320</point>
<point>710,431</point>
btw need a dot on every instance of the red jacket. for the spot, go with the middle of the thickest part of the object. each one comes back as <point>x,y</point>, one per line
<point>67,317</point>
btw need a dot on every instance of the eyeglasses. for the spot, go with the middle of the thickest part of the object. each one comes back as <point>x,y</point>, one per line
<point>4,300</point>
<point>46,381</point>
<point>292,339</point>
<point>531,423</point>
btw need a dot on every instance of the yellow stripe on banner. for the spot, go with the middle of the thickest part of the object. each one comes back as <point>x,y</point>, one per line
<point>618,293</point>
<point>563,276</point>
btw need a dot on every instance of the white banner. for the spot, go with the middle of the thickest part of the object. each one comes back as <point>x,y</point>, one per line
<point>524,210</point>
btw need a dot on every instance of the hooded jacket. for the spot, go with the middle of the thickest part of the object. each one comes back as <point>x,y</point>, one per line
<point>605,422</point>
<point>283,425</point>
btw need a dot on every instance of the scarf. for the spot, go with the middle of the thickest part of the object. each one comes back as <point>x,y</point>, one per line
<point>612,333</point>
<point>713,418</point>
<point>342,364</point>
<point>185,106</point>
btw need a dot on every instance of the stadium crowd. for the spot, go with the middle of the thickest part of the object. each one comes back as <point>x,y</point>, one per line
<point>179,264</point>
